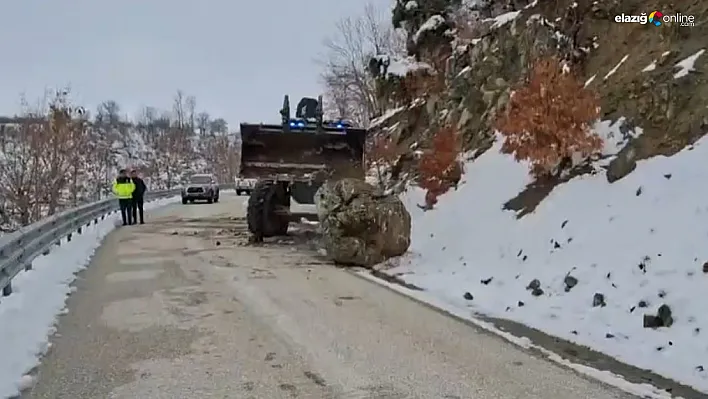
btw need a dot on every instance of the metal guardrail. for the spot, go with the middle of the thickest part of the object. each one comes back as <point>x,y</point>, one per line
<point>19,248</point>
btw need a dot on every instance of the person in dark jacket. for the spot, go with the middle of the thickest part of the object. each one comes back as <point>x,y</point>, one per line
<point>138,197</point>
<point>123,188</point>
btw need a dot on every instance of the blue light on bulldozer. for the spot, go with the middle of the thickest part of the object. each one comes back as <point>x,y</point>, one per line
<point>338,125</point>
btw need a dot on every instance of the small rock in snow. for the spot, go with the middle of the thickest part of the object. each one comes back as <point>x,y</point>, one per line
<point>639,191</point>
<point>642,304</point>
<point>468,296</point>
<point>662,293</point>
<point>556,245</point>
<point>664,314</point>
<point>487,281</point>
<point>520,304</point>
<point>663,318</point>
<point>667,176</point>
<point>651,321</point>
<point>705,267</point>
<point>570,282</point>
<point>643,267</point>
<point>608,335</point>
<point>218,243</point>
<point>598,300</point>
<point>537,292</point>
<point>534,284</point>
<point>564,223</point>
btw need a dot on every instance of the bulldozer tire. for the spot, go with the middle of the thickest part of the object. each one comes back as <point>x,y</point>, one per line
<point>263,220</point>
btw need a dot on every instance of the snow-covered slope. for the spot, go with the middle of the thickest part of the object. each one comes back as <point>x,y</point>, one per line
<point>630,246</point>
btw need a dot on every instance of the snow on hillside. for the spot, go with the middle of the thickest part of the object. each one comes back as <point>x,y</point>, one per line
<point>588,265</point>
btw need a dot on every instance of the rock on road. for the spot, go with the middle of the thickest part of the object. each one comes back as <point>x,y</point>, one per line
<point>178,308</point>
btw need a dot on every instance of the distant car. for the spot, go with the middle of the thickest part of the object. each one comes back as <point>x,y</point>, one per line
<point>201,187</point>
<point>245,186</point>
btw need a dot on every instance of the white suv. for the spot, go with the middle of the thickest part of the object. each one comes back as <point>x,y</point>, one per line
<point>245,186</point>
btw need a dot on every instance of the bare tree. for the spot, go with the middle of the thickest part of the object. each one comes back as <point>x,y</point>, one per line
<point>108,112</point>
<point>184,108</point>
<point>98,161</point>
<point>21,171</point>
<point>203,120</point>
<point>178,107</point>
<point>350,90</point>
<point>190,105</point>
<point>221,154</point>
<point>219,126</point>
<point>64,141</point>
<point>42,164</point>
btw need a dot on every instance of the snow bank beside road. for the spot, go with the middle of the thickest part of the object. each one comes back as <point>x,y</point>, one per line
<point>630,246</point>
<point>28,316</point>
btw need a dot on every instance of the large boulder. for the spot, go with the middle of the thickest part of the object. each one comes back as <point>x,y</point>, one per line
<point>360,225</point>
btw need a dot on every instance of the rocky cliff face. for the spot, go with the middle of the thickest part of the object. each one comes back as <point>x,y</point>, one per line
<point>647,76</point>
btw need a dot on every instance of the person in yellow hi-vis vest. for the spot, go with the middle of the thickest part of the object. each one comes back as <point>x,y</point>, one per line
<point>123,188</point>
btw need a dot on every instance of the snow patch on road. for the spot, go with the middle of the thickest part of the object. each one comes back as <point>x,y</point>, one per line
<point>630,247</point>
<point>28,316</point>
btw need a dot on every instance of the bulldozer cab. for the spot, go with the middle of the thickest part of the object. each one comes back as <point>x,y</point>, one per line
<point>304,148</point>
<point>307,108</point>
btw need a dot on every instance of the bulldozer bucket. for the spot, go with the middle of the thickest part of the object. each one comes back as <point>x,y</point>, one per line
<point>308,153</point>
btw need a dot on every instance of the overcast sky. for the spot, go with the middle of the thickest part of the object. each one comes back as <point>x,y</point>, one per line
<point>238,57</point>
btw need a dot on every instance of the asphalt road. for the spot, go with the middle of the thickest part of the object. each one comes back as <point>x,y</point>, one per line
<point>181,308</point>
